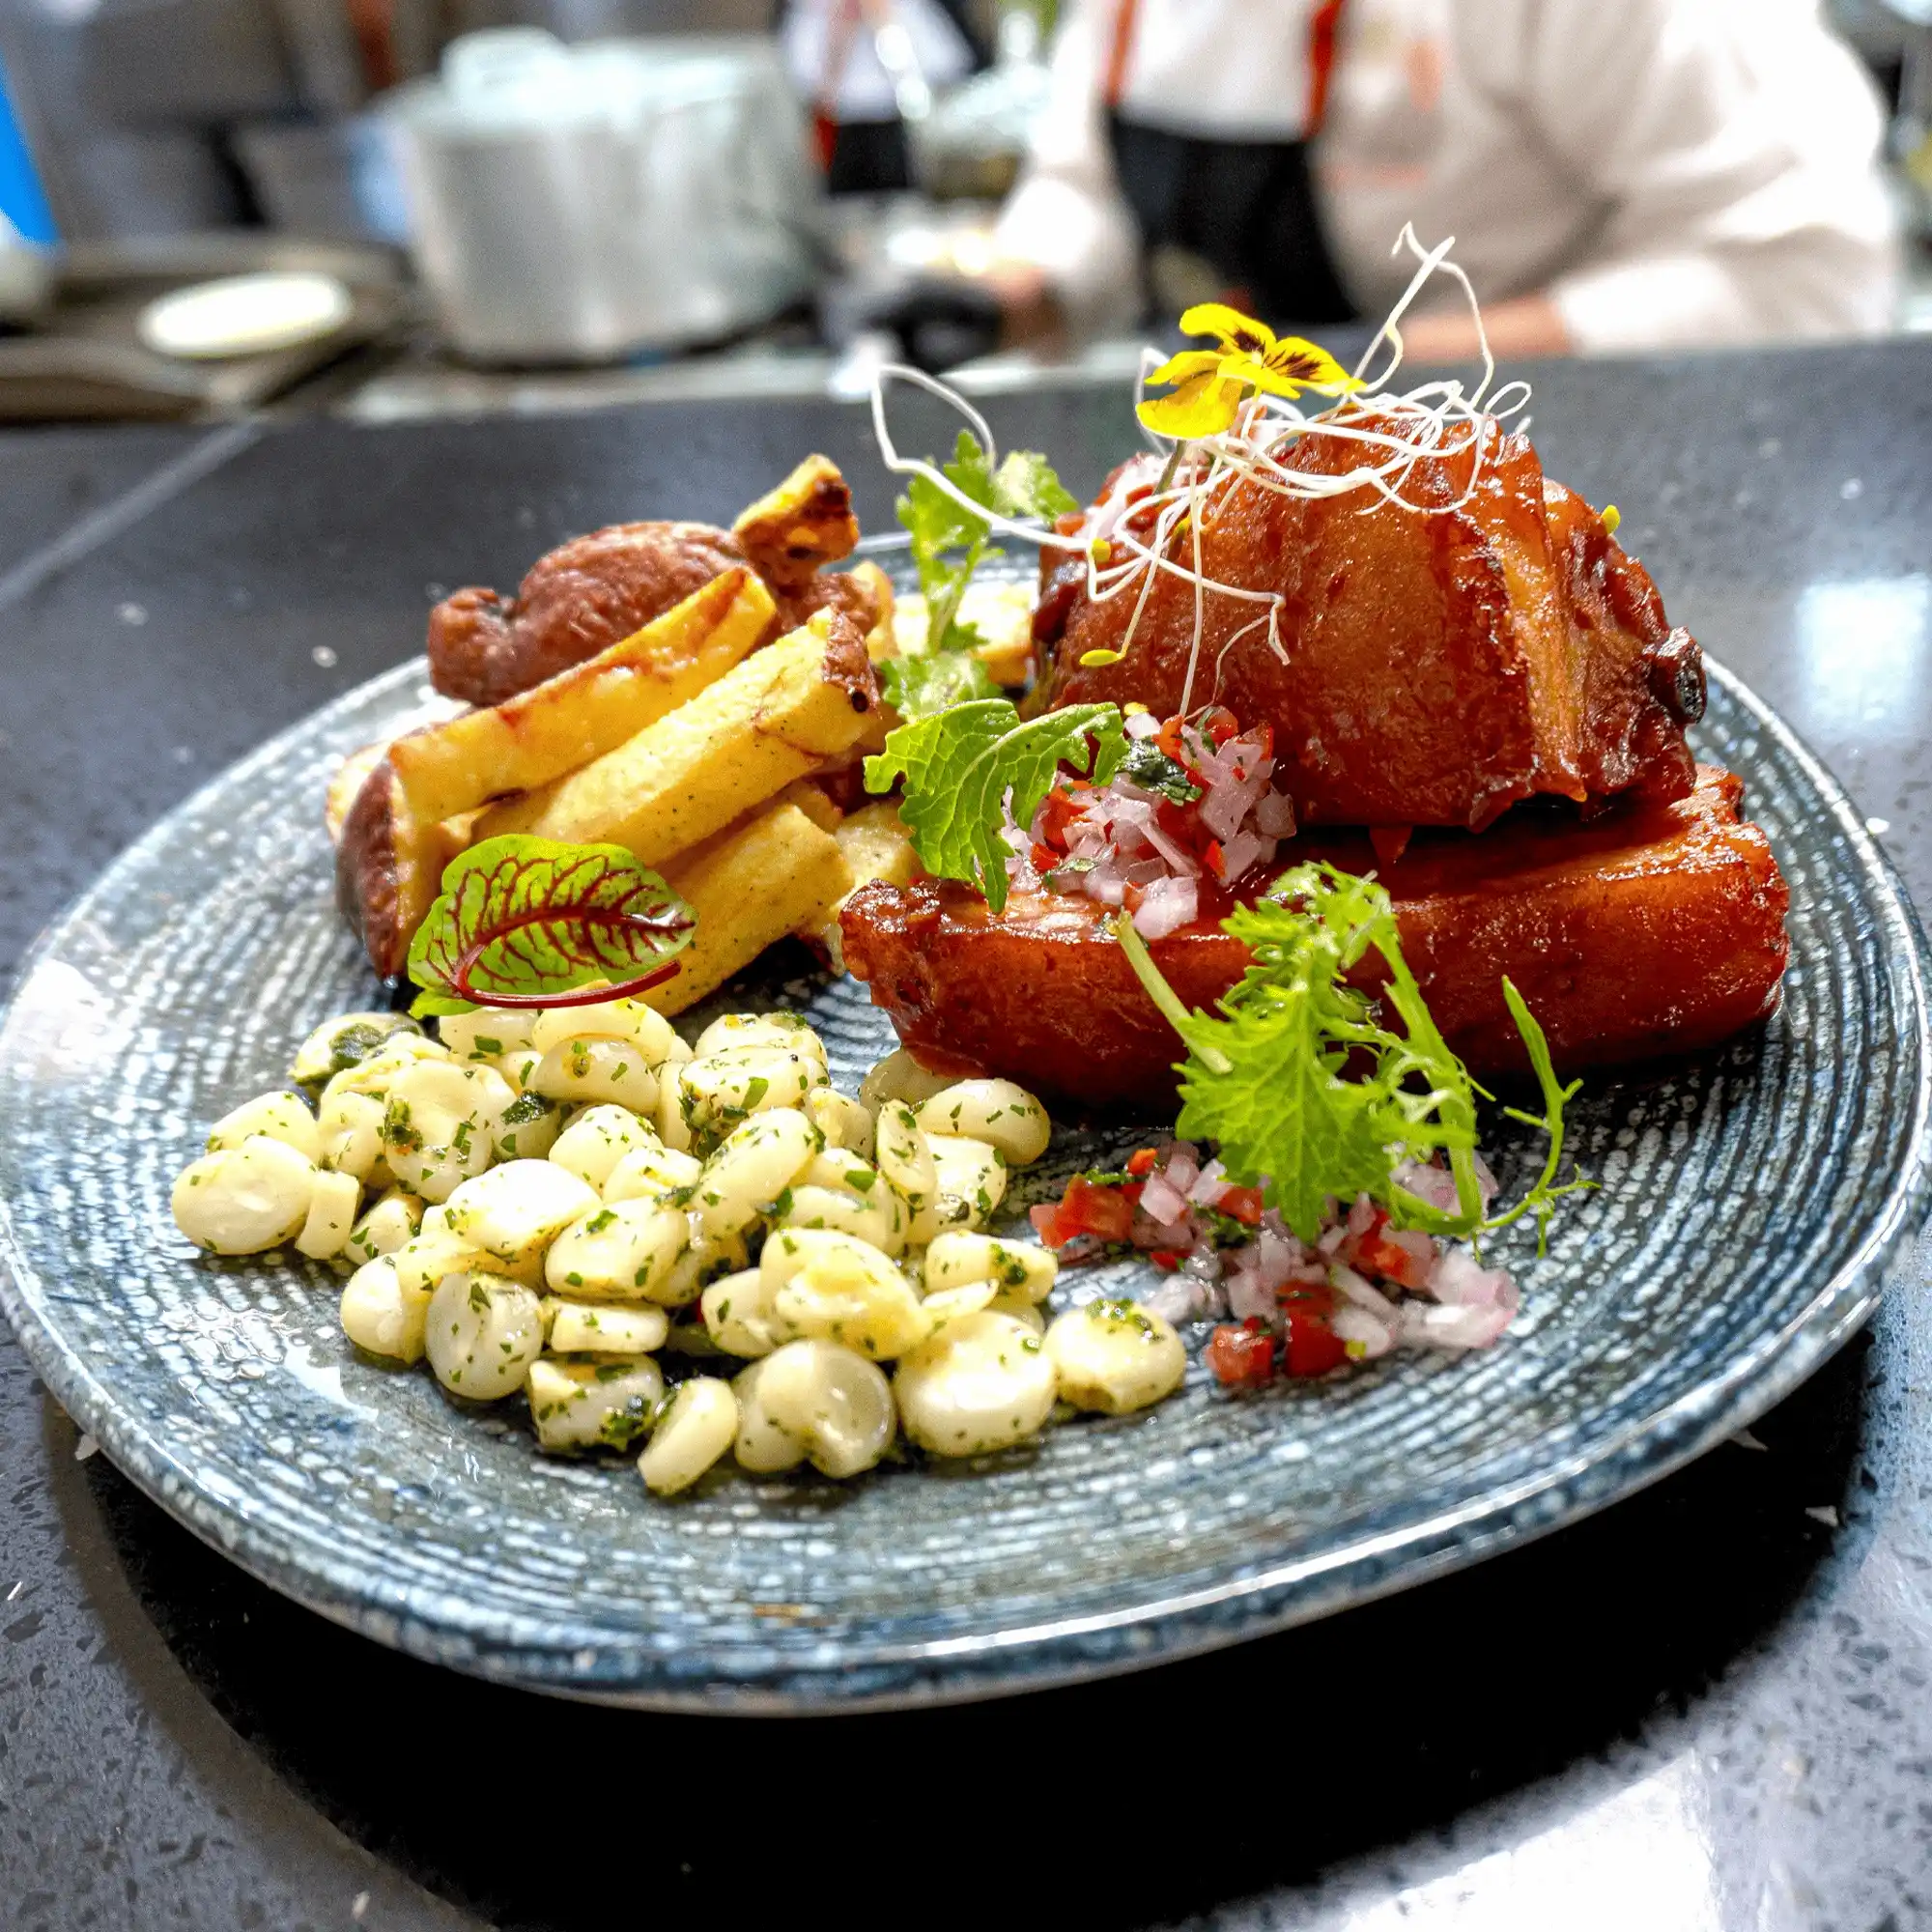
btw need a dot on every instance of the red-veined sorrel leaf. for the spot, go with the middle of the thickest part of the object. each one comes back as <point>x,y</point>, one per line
<point>527,922</point>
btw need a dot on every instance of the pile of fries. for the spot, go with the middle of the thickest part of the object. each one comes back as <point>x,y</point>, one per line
<point>685,744</point>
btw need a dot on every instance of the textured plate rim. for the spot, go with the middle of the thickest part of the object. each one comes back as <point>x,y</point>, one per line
<point>1292,1591</point>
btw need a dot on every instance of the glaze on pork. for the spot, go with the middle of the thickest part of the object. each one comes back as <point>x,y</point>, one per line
<point>1657,929</point>
<point>1436,667</point>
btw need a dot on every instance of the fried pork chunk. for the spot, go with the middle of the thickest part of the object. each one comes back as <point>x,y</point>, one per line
<point>1659,928</point>
<point>594,590</point>
<point>1433,667</point>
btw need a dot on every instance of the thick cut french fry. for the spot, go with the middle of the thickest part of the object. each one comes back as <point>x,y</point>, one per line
<point>766,721</point>
<point>814,801</point>
<point>776,874</point>
<point>791,533</point>
<point>579,715</point>
<point>876,847</point>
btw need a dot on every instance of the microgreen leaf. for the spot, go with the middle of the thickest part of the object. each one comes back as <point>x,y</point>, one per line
<point>1308,1093</point>
<point>1025,485</point>
<point>917,687</point>
<point>961,765</point>
<point>949,541</point>
<point>527,922</point>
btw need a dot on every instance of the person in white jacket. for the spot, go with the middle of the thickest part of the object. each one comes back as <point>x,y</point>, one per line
<point>1619,175</point>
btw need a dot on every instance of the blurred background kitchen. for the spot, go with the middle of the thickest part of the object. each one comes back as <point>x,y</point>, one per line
<point>402,208</point>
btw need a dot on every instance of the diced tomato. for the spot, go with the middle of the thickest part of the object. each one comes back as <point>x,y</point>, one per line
<point>1313,1346</point>
<point>1131,1191</point>
<point>1379,1255</point>
<point>1375,1253</point>
<point>1045,859</point>
<point>1047,1224</point>
<point>1241,1358</point>
<point>1086,1208</point>
<point>1060,810</point>
<point>1215,859</point>
<point>1218,722</point>
<point>1244,1204</point>
<point>1139,1163</point>
<point>1167,1260</point>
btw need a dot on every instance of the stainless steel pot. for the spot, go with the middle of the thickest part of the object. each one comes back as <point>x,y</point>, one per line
<point>579,204</point>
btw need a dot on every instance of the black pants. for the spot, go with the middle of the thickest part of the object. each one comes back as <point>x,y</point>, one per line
<point>1246,207</point>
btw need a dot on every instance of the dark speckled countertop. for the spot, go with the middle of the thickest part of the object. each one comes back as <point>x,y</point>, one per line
<point>1710,1707</point>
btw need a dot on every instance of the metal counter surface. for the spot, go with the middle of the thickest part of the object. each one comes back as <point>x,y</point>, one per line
<point>1707,1708</point>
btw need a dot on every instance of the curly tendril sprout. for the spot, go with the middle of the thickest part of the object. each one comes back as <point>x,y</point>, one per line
<point>1437,421</point>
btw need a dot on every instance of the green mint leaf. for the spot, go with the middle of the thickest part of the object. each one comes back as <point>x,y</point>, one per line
<point>960,765</point>
<point>917,687</point>
<point>523,921</point>
<point>1309,1095</point>
<point>1155,772</point>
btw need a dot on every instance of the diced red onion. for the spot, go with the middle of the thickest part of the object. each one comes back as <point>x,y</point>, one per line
<point>1176,855</point>
<point>1222,808</point>
<point>1180,1298</point>
<point>1439,1327</point>
<point>1359,1291</point>
<point>1274,816</point>
<point>1460,1281</point>
<point>1167,905</point>
<point>1242,852</point>
<point>1209,1185</point>
<point>1204,1265</point>
<point>1375,1336</point>
<point>1161,1201</point>
<point>1276,1256</point>
<point>1249,1296</point>
<point>1142,725</point>
<point>1436,1185</point>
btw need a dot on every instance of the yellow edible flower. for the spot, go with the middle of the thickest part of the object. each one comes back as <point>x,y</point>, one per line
<point>1210,384</point>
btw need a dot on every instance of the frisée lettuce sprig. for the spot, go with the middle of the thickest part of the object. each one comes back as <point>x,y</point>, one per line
<point>1311,1097</point>
<point>949,540</point>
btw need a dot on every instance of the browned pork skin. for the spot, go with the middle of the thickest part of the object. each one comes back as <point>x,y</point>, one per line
<point>1437,666</point>
<point>1657,929</point>
<point>594,590</point>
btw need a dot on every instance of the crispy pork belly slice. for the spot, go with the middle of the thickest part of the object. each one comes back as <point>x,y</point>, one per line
<point>1657,929</point>
<point>1435,667</point>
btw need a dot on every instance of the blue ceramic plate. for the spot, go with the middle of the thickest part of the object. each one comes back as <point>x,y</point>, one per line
<point>1752,1206</point>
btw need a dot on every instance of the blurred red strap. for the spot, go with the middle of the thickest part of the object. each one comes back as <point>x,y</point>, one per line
<point>1122,48</point>
<point>1322,38</point>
